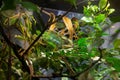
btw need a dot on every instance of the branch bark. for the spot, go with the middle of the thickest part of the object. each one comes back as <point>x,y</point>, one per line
<point>89,67</point>
<point>13,46</point>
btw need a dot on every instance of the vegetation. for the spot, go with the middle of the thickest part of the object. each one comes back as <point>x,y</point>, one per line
<point>64,47</point>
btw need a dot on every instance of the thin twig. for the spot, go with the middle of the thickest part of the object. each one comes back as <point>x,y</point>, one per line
<point>9,64</point>
<point>9,54</point>
<point>100,57</point>
<point>13,46</point>
<point>72,72</point>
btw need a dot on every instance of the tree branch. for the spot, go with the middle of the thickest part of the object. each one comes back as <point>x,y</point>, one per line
<point>48,24</point>
<point>13,46</point>
<point>100,57</point>
<point>42,32</point>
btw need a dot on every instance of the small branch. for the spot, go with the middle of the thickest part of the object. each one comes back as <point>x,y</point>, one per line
<point>42,32</point>
<point>100,57</point>
<point>9,57</point>
<point>10,44</point>
<point>72,72</point>
<point>72,76</point>
<point>9,65</point>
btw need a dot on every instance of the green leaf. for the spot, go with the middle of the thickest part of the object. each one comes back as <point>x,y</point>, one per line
<point>97,26</point>
<point>94,8</point>
<point>82,42</point>
<point>52,39</point>
<point>111,11</point>
<point>12,21</point>
<point>87,19</point>
<point>115,62</point>
<point>86,11</point>
<point>116,44</point>
<point>19,37</point>
<point>8,13</point>
<point>38,32</point>
<point>105,34</point>
<point>100,18</point>
<point>30,6</point>
<point>102,4</point>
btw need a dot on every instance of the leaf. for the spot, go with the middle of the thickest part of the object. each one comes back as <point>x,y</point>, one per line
<point>111,11</point>
<point>68,24</point>
<point>19,37</point>
<point>94,8</point>
<point>82,43</point>
<point>86,11</point>
<point>100,18</point>
<point>30,6</point>
<point>116,44</point>
<point>38,32</point>
<point>115,62</point>
<point>104,34</point>
<point>52,39</point>
<point>102,4</point>
<point>87,19</point>
<point>28,23</point>
<point>53,18</point>
<point>97,26</point>
<point>8,13</point>
<point>13,19</point>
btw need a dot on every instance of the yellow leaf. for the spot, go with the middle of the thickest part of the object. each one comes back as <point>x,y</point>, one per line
<point>19,37</point>
<point>52,19</point>
<point>68,24</point>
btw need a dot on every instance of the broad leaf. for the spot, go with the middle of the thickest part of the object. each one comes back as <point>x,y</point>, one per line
<point>102,4</point>
<point>69,25</point>
<point>115,62</point>
<point>87,19</point>
<point>82,43</point>
<point>52,39</point>
<point>111,11</point>
<point>100,18</point>
<point>87,12</point>
<point>117,44</point>
<point>52,19</point>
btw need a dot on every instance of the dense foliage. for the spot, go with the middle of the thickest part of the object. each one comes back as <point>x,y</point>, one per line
<point>65,47</point>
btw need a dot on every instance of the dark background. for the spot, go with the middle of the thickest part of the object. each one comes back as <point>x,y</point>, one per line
<point>63,5</point>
